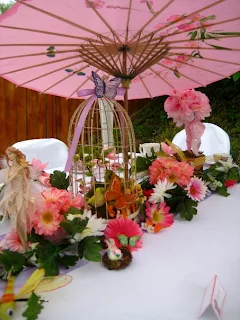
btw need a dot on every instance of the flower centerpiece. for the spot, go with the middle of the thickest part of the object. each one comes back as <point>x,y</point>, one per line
<point>62,231</point>
<point>174,186</point>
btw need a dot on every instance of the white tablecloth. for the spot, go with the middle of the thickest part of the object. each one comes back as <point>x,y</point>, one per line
<point>168,276</point>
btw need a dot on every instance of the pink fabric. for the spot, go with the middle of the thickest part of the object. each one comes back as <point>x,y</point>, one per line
<point>154,81</point>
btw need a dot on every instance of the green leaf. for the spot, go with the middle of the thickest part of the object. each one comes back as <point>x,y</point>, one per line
<point>74,211</point>
<point>150,7</point>
<point>75,226</point>
<point>176,73</point>
<point>12,261</point>
<point>236,76</point>
<point>90,248</point>
<point>202,31</point>
<point>233,174</point>
<point>227,33</point>
<point>34,307</point>
<point>59,180</point>
<point>223,191</point>
<point>142,164</point>
<point>51,48</point>
<point>218,47</point>
<point>68,260</point>
<point>194,34</point>
<point>213,17</point>
<point>187,209</point>
<point>107,151</point>
<point>48,259</point>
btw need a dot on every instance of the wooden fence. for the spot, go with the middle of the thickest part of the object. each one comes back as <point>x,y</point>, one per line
<point>25,114</point>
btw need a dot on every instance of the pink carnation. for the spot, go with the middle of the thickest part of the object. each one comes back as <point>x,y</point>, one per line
<point>172,170</point>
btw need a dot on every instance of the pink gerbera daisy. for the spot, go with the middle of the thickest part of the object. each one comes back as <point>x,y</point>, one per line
<point>196,189</point>
<point>69,201</point>
<point>124,227</point>
<point>158,216</point>
<point>46,220</point>
<point>12,242</point>
<point>54,195</point>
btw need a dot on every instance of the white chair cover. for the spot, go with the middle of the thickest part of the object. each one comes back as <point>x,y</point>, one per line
<point>50,150</point>
<point>214,140</point>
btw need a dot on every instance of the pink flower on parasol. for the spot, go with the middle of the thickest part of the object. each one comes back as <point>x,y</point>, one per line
<point>151,2</point>
<point>186,26</point>
<point>98,4</point>
<point>174,17</point>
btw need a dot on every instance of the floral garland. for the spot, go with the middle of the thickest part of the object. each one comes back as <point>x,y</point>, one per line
<point>173,186</point>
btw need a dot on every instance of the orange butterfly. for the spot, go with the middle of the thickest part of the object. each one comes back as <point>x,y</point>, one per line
<point>115,194</point>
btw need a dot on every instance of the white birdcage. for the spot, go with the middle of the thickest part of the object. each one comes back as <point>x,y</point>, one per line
<point>106,148</point>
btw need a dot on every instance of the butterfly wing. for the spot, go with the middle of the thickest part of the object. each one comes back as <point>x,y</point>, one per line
<point>133,241</point>
<point>53,283</point>
<point>114,190</point>
<point>123,239</point>
<point>31,284</point>
<point>111,87</point>
<point>100,85</point>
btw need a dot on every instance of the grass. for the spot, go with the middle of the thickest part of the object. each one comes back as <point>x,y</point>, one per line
<point>151,123</point>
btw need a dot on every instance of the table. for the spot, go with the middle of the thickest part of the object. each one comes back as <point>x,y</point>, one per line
<point>168,276</point>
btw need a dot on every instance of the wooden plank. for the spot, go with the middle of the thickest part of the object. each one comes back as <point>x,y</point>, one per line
<point>3,138</point>
<point>63,117</point>
<point>10,113</point>
<point>41,116</point>
<point>21,107</point>
<point>49,116</point>
<point>32,100</point>
<point>24,114</point>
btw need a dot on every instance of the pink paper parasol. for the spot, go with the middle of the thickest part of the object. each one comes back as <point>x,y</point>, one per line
<point>53,46</point>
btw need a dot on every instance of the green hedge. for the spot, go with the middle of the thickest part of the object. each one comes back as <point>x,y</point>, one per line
<point>151,123</point>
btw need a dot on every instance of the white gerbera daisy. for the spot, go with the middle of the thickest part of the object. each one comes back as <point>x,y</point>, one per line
<point>95,227</point>
<point>159,192</point>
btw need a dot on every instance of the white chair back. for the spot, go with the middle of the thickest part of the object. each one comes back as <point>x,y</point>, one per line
<point>214,140</point>
<point>50,150</point>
